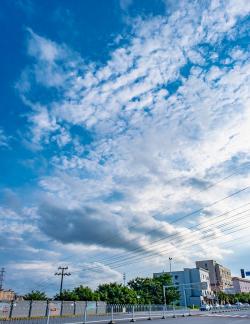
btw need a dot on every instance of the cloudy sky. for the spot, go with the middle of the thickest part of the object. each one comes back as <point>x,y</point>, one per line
<point>124,138</point>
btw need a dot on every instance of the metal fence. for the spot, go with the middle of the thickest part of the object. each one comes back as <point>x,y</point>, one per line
<point>31,309</point>
<point>66,312</point>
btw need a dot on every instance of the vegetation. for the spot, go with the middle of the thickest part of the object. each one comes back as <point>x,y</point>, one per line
<point>232,299</point>
<point>78,293</point>
<point>150,290</point>
<point>114,293</point>
<point>138,291</point>
<point>35,295</point>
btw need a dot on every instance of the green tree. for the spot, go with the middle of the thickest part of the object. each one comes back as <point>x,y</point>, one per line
<point>150,290</point>
<point>35,295</point>
<point>114,293</point>
<point>172,293</point>
<point>85,293</point>
<point>78,293</point>
<point>67,295</point>
<point>223,297</point>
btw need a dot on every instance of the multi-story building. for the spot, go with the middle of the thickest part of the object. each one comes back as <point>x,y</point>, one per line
<point>193,285</point>
<point>241,285</point>
<point>7,295</point>
<point>220,277</point>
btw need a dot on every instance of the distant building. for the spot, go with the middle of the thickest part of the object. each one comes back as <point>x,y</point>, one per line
<point>241,285</point>
<point>220,277</point>
<point>7,295</point>
<point>196,284</point>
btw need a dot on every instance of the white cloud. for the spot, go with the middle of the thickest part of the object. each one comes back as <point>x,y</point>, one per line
<point>153,148</point>
<point>4,139</point>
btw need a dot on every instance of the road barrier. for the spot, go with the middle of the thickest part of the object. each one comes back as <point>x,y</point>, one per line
<point>68,312</point>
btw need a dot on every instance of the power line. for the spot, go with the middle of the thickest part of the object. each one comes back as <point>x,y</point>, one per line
<point>155,242</point>
<point>192,243</point>
<point>172,235</point>
<point>116,263</point>
<point>190,214</point>
<point>207,240</point>
<point>237,170</point>
<point>199,227</point>
<point>94,259</point>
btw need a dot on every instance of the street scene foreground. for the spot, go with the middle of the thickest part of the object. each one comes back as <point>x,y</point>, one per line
<point>128,313</point>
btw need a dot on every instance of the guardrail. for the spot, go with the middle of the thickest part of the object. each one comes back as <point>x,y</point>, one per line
<point>85,312</point>
<point>57,312</point>
<point>226,309</point>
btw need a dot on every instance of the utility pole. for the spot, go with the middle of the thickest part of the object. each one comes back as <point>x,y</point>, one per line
<point>2,271</point>
<point>62,273</point>
<point>124,279</point>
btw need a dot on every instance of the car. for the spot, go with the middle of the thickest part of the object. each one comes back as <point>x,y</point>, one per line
<point>205,307</point>
<point>228,305</point>
<point>238,304</point>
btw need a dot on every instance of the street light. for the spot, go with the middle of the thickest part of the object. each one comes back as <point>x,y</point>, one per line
<point>170,264</point>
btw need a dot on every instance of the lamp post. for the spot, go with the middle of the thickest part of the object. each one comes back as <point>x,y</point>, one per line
<point>170,264</point>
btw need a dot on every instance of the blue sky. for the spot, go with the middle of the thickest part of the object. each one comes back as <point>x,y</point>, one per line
<point>124,138</point>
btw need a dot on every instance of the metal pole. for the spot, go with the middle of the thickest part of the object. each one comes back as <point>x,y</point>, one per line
<point>170,265</point>
<point>47,308</point>
<point>48,318</point>
<point>165,302</point>
<point>11,308</point>
<point>30,309</point>
<point>164,296</point>
<point>185,300</point>
<point>61,284</point>
<point>85,314</point>
<point>163,312</point>
<point>74,310</point>
<point>61,310</point>
<point>174,311</point>
<point>112,316</point>
<point>133,314</point>
<point>149,313</point>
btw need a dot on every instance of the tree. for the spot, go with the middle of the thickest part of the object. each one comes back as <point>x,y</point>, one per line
<point>114,293</point>
<point>35,295</point>
<point>172,293</point>
<point>85,293</point>
<point>78,293</point>
<point>150,290</point>
<point>223,297</point>
<point>67,295</point>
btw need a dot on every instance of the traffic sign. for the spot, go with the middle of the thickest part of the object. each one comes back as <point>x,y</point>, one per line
<point>247,273</point>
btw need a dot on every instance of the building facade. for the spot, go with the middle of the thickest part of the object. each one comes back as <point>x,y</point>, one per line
<point>7,295</point>
<point>241,285</point>
<point>220,276</point>
<point>193,285</point>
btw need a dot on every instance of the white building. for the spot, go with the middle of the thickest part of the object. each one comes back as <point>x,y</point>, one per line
<point>194,284</point>
<point>241,285</point>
